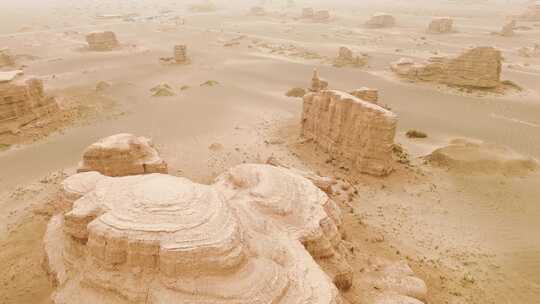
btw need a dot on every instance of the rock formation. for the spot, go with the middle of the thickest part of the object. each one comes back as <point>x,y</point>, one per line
<point>102,41</point>
<point>357,133</point>
<point>440,25</point>
<point>5,58</point>
<point>180,53</point>
<point>255,236</point>
<point>22,100</point>
<point>347,58</point>
<point>317,83</point>
<point>296,92</point>
<point>532,13</point>
<point>508,29</point>
<point>381,20</point>
<point>308,13</point>
<point>162,90</point>
<point>121,155</point>
<point>533,51</point>
<point>322,15</point>
<point>366,94</point>
<point>477,67</point>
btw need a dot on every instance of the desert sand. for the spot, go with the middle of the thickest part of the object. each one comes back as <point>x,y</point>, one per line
<point>195,135</point>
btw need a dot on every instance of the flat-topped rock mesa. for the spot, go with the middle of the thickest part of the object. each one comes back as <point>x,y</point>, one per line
<point>442,25</point>
<point>102,41</point>
<point>532,13</point>
<point>357,133</point>
<point>346,58</point>
<point>381,20</point>
<point>508,29</point>
<point>478,67</point>
<point>6,59</point>
<point>253,237</point>
<point>180,53</point>
<point>22,101</point>
<point>257,11</point>
<point>121,155</point>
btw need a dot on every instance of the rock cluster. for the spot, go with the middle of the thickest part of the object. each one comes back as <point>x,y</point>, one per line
<point>478,67</point>
<point>121,155</point>
<point>180,53</point>
<point>357,133</point>
<point>440,25</point>
<point>381,20</point>
<point>102,41</point>
<point>22,100</point>
<point>255,236</point>
<point>5,58</point>
<point>347,58</point>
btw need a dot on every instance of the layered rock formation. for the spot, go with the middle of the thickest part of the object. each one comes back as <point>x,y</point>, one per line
<point>121,155</point>
<point>357,133</point>
<point>347,58</point>
<point>180,53</point>
<point>381,20</point>
<point>5,58</point>
<point>22,100</point>
<point>102,41</point>
<point>477,67</point>
<point>367,94</point>
<point>252,237</point>
<point>440,25</point>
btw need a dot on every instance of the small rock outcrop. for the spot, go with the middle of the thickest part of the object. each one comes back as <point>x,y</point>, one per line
<point>22,100</point>
<point>121,155</point>
<point>5,58</point>
<point>102,41</point>
<point>381,20</point>
<point>346,58</point>
<point>318,83</point>
<point>180,53</point>
<point>477,67</point>
<point>357,133</point>
<point>255,236</point>
<point>441,25</point>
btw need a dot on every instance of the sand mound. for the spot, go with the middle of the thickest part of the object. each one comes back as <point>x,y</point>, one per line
<point>252,237</point>
<point>470,157</point>
<point>122,154</point>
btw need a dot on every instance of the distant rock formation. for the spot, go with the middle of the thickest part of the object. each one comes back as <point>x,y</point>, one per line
<point>253,237</point>
<point>478,67</point>
<point>367,94</point>
<point>532,13</point>
<point>508,29</point>
<point>347,58</point>
<point>257,11</point>
<point>381,20</point>
<point>5,58</point>
<point>180,53</point>
<point>317,16</point>
<point>22,100</point>
<point>102,41</point>
<point>121,155</point>
<point>533,51</point>
<point>357,133</point>
<point>441,25</point>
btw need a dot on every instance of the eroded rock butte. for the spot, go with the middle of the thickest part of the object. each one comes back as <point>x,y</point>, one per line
<point>102,41</point>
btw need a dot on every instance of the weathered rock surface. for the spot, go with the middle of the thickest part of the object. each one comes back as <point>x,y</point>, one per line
<point>121,155</point>
<point>477,67</point>
<point>367,94</point>
<point>381,20</point>
<point>441,25</point>
<point>5,58</point>
<point>102,41</point>
<point>22,100</point>
<point>355,132</point>
<point>347,58</point>
<point>252,237</point>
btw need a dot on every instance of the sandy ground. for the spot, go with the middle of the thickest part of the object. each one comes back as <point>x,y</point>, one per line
<point>472,236</point>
